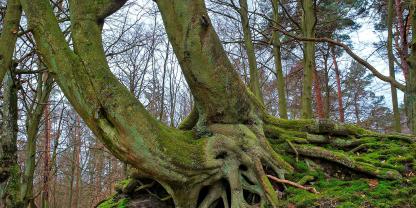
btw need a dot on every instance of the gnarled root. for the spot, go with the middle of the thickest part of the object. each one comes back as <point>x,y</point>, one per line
<point>241,180</point>
<point>341,144</point>
<point>241,161</point>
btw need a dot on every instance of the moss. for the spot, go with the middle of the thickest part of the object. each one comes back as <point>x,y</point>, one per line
<point>355,193</point>
<point>306,179</point>
<point>373,154</point>
<point>113,203</point>
<point>121,185</point>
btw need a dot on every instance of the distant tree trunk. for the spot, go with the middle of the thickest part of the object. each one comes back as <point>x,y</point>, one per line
<point>396,113</point>
<point>318,95</point>
<point>248,43</point>
<point>165,67</point>
<point>98,157</point>
<point>9,167</point>
<point>327,106</point>
<point>46,152</point>
<point>77,163</point>
<point>32,125</point>
<point>356,110</point>
<point>73,167</point>
<point>403,45</point>
<point>410,94</point>
<point>54,165</point>
<point>339,91</point>
<point>278,63</point>
<point>308,30</point>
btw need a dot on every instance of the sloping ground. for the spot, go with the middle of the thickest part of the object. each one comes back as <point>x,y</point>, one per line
<point>330,168</point>
<point>355,193</point>
<point>347,171</point>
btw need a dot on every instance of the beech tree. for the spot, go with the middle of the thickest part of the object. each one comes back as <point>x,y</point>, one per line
<point>221,153</point>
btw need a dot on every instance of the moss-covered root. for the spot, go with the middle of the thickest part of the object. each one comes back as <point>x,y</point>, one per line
<point>315,129</point>
<point>316,126</point>
<point>347,161</point>
<point>242,153</point>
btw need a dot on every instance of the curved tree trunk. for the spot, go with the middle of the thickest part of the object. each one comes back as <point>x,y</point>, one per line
<point>9,35</point>
<point>225,155</point>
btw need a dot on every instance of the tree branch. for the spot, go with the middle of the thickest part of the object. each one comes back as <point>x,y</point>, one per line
<point>353,55</point>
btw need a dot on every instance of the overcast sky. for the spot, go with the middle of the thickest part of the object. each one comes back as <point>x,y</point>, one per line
<point>363,44</point>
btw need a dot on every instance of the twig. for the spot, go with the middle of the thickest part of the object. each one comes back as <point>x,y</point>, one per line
<point>291,183</point>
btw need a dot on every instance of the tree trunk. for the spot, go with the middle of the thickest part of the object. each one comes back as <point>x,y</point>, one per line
<point>278,63</point>
<point>308,30</point>
<point>10,28</point>
<point>403,45</point>
<point>318,95</point>
<point>410,95</point>
<point>396,113</point>
<point>327,107</point>
<point>32,125</point>
<point>248,43</point>
<point>46,159</point>
<point>339,91</point>
<point>162,99</point>
<point>226,155</point>
<point>76,157</point>
<point>9,167</point>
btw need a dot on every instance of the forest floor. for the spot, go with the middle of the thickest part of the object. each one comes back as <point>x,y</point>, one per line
<point>366,171</point>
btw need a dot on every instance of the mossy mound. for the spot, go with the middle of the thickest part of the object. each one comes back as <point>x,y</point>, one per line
<point>334,167</point>
<point>354,193</point>
<point>113,202</point>
<point>348,166</point>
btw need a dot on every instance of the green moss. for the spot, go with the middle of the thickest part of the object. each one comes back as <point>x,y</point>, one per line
<point>378,154</point>
<point>121,185</point>
<point>111,203</point>
<point>355,193</point>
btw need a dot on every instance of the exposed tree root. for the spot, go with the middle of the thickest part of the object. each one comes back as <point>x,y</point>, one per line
<point>245,161</point>
<point>346,161</point>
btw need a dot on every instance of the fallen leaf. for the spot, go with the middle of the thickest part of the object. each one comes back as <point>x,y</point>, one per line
<point>373,183</point>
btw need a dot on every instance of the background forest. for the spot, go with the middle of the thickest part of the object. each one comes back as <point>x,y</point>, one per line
<point>62,164</point>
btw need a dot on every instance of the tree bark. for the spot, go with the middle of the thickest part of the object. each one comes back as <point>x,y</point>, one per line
<point>339,91</point>
<point>9,167</point>
<point>327,106</point>
<point>278,63</point>
<point>249,46</point>
<point>32,125</point>
<point>410,95</point>
<point>396,113</point>
<point>403,45</point>
<point>9,35</point>
<point>318,95</point>
<point>46,159</point>
<point>226,153</point>
<point>308,30</point>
